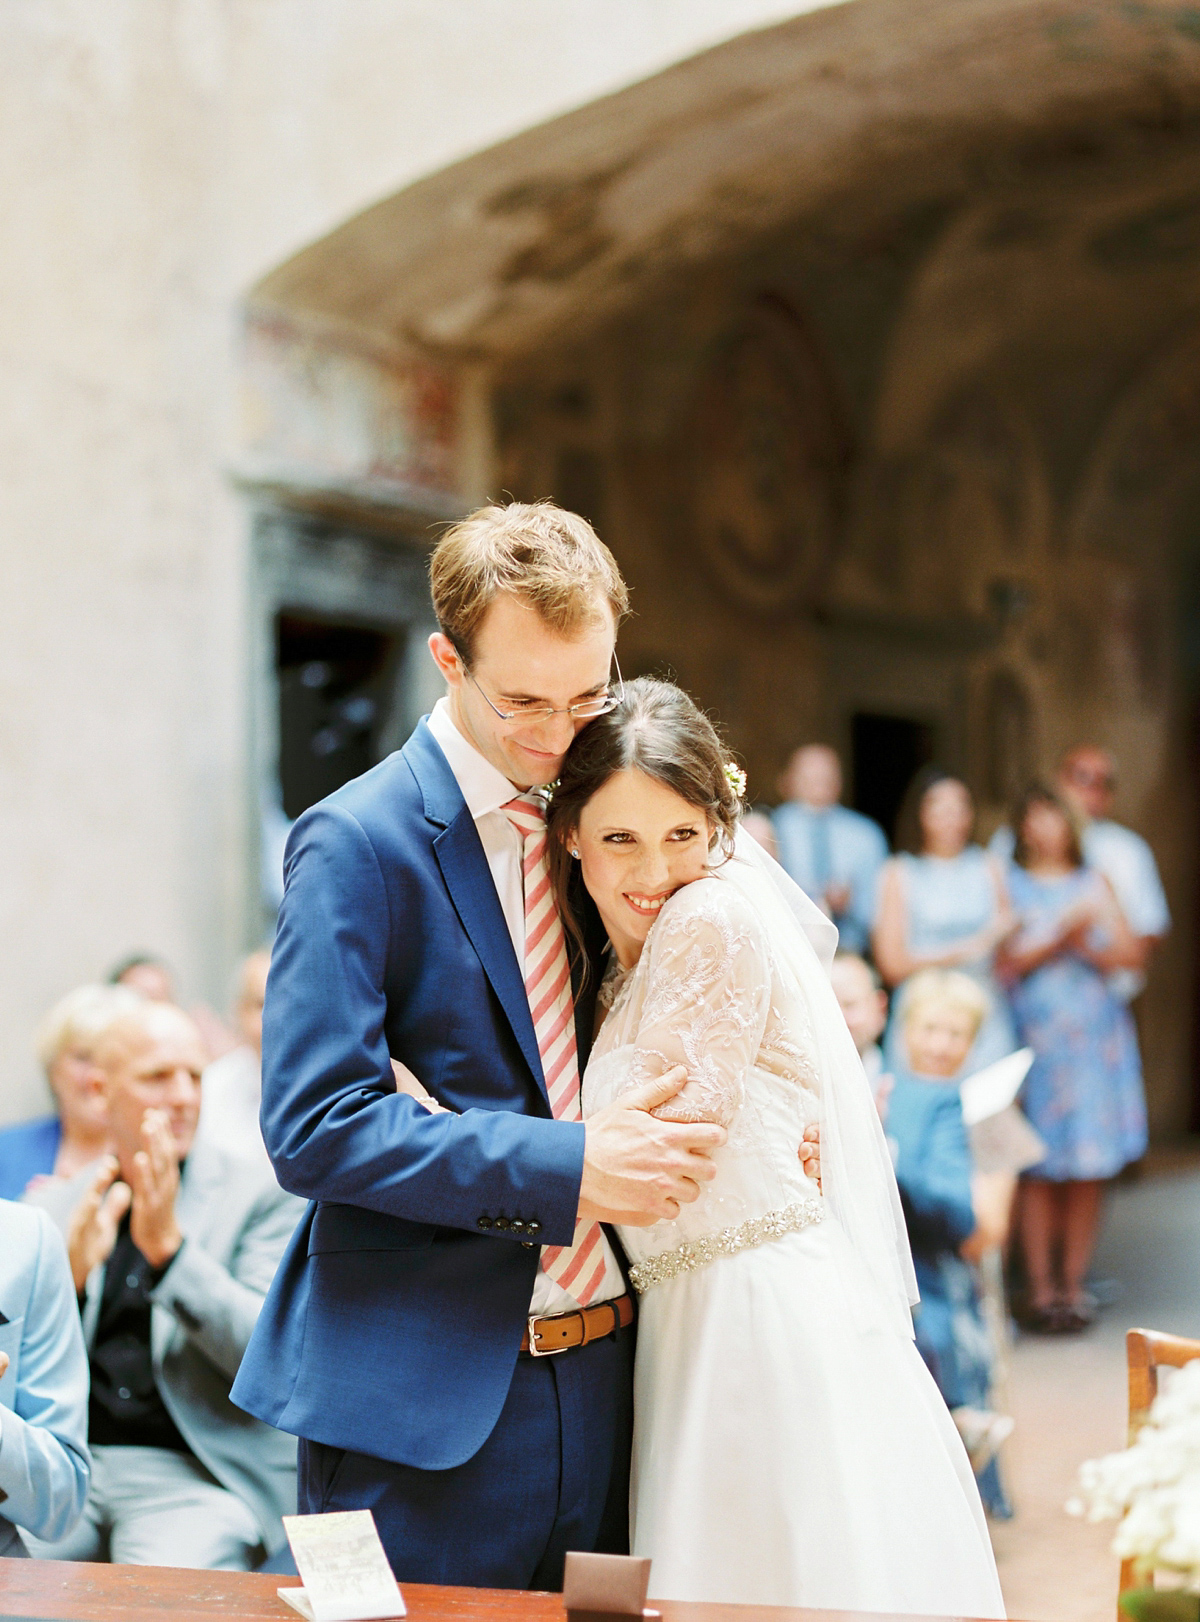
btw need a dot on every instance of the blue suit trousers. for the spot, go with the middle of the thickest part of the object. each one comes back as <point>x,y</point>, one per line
<point>552,1476</point>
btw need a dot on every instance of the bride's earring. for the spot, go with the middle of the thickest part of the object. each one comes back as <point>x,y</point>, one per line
<point>575,854</point>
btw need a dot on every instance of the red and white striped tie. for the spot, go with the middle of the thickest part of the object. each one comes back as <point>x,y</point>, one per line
<point>577,1268</point>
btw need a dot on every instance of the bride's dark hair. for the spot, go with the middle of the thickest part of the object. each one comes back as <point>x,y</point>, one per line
<point>655,729</point>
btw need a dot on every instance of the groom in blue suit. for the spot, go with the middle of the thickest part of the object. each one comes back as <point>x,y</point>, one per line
<point>431,1336</point>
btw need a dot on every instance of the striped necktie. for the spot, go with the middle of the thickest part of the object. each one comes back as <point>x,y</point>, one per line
<point>577,1268</point>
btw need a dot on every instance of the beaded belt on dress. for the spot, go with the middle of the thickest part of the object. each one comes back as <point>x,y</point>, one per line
<point>696,1253</point>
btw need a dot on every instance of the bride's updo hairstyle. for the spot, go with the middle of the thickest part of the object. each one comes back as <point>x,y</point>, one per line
<point>656,729</point>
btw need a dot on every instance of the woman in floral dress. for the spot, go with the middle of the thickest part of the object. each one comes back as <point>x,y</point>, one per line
<point>1083,1093</point>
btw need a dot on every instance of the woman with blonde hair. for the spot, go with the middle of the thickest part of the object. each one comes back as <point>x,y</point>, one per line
<point>62,1144</point>
<point>938,1017</point>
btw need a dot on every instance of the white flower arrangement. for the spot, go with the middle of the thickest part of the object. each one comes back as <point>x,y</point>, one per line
<point>736,778</point>
<point>1153,1487</point>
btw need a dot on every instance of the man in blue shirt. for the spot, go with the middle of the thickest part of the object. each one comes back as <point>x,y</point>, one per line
<point>834,854</point>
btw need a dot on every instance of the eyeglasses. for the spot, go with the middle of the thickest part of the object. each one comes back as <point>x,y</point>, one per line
<point>1083,778</point>
<point>586,710</point>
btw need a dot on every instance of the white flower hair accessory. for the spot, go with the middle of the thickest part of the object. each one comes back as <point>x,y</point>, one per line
<point>736,778</point>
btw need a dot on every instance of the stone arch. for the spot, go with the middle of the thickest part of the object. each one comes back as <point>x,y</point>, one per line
<point>950,207</point>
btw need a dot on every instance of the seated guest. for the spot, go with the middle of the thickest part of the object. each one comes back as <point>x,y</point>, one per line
<point>864,1006</point>
<point>833,853</point>
<point>172,1253</point>
<point>232,1090</point>
<point>152,979</point>
<point>940,1014</point>
<point>43,1383</point>
<point>148,976</point>
<point>62,1144</point>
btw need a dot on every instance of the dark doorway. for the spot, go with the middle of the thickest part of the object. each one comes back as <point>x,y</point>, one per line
<point>887,752</point>
<point>336,681</point>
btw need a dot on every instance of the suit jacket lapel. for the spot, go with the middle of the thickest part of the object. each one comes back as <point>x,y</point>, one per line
<point>472,889</point>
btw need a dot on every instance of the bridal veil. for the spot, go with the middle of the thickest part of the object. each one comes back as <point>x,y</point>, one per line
<point>857,1179</point>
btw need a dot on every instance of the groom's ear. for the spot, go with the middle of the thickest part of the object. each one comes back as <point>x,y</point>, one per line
<point>445,657</point>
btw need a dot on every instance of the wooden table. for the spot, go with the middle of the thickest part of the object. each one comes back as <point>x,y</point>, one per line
<point>84,1593</point>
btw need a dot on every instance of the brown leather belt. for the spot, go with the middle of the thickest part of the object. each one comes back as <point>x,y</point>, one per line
<point>545,1336</point>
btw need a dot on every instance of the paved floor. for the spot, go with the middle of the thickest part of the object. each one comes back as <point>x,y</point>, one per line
<point>1068,1398</point>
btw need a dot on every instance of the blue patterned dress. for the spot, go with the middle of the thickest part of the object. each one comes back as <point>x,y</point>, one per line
<point>1083,1093</point>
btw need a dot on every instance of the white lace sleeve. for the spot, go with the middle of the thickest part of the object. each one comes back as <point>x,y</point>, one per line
<point>706,1002</point>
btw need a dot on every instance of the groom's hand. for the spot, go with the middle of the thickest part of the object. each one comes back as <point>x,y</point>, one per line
<point>639,1170</point>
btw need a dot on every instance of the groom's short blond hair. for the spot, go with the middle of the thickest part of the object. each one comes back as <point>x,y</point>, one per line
<point>546,557</point>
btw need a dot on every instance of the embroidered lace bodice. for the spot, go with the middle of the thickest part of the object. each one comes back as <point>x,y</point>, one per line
<point>705,994</point>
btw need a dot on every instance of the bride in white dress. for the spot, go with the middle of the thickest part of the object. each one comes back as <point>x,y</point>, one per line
<point>790,1447</point>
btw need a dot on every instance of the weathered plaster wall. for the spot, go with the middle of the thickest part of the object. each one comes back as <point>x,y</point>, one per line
<point>158,157</point>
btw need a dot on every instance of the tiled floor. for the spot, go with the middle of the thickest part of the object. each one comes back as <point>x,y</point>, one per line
<point>1068,1398</point>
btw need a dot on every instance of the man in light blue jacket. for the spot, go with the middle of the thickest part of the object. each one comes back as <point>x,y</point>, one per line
<point>172,1245</point>
<point>44,1464</point>
<point>834,854</point>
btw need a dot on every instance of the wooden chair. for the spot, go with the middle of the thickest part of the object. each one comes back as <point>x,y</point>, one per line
<point>1146,1352</point>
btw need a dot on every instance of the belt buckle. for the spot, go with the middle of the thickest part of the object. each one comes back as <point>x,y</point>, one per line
<point>534,1349</point>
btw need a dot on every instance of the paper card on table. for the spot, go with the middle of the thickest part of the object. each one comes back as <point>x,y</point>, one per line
<point>345,1571</point>
<point>298,1600</point>
<point>990,1090</point>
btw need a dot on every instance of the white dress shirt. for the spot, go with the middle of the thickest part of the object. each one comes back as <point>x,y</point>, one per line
<point>486,792</point>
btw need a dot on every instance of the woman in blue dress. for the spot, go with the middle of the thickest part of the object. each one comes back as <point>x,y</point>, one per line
<point>1083,1093</point>
<point>945,907</point>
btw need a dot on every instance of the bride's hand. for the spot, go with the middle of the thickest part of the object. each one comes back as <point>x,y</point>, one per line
<point>810,1152</point>
<point>406,1082</point>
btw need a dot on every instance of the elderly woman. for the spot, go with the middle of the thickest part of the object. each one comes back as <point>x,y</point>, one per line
<point>62,1144</point>
<point>944,905</point>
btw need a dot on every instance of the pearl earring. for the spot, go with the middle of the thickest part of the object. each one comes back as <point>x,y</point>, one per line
<point>575,854</point>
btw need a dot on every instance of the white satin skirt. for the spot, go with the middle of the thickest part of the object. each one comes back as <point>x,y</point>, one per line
<point>791,1448</point>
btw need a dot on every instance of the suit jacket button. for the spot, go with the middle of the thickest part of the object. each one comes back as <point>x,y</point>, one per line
<point>484,1222</point>
<point>526,1244</point>
<point>517,1225</point>
<point>500,1222</point>
<point>533,1227</point>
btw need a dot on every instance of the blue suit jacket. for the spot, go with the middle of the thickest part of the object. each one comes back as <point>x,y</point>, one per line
<point>394,1323</point>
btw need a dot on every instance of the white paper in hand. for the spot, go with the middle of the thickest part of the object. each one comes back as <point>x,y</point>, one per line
<point>345,1571</point>
<point>989,1091</point>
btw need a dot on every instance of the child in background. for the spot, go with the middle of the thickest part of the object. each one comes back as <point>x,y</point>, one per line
<point>940,1015</point>
<point>864,1005</point>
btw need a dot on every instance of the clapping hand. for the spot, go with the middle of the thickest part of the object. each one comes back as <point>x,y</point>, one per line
<point>152,1225</point>
<point>93,1230</point>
